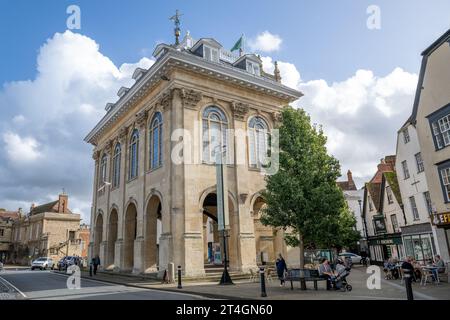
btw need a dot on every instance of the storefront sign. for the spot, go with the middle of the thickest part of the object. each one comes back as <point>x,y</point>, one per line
<point>441,218</point>
<point>390,241</point>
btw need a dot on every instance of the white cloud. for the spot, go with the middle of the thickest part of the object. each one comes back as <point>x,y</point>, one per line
<point>19,119</point>
<point>74,81</point>
<point>266,42</point>
<point>21,150</point>
<point>289,73</point>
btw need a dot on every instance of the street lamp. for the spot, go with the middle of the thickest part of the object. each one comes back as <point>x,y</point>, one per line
<point>222,198</point>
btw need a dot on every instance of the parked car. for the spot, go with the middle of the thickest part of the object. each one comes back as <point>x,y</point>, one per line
<point>42,263</point>
<point>68,261</point>
<point>354,258</point>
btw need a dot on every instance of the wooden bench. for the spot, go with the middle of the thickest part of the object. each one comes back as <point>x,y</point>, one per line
<point>303,274</point>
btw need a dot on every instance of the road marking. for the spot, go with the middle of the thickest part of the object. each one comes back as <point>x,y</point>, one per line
<point>142,288</point>
<point>13,286</point>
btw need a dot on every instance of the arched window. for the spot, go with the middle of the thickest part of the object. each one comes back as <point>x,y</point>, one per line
<point>156,141</point>
<point>134,155</point>
<point>116,166</point>
<point>215,127</point>
<point>103,164</point>
<point>258,142</point>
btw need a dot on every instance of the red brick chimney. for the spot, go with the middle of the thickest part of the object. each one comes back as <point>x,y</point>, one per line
<point>351,183</point>
<point>63,203</point>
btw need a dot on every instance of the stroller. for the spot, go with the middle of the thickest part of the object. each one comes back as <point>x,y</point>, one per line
<point>340,281</point>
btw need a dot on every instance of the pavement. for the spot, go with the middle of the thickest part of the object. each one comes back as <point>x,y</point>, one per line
<point>52,285</point>
<point>244,289</point>
<point>25,284</point>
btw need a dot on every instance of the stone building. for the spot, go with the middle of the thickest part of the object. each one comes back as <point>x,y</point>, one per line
<point>354,198</point>
<point>431,112</point>
<point>7,219</point>
<point>48,230</point>
<point>383,213</point>
<point>148,209</point>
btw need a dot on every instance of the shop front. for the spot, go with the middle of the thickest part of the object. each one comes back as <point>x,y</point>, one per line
<point>383,247</point>
<point>441,222</point>
<point>419,242</point>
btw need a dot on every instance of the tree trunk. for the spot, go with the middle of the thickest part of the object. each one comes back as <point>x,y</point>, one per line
<point>301,246</point>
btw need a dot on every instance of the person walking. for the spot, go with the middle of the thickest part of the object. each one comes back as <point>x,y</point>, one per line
<point>281,268</point>
<point>96,263</point>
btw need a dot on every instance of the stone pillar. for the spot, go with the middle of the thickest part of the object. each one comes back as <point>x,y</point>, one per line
<point>138,266</point>
<point>165,256</point>
<point>103,253</point>
<point>118,255</point>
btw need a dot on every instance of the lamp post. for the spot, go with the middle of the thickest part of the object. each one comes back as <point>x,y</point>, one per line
<point>222,198</point>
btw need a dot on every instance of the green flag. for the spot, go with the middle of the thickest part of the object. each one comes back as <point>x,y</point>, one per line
<point>238,44</point>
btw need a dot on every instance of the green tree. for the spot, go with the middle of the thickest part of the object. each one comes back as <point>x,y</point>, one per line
<point>303,197</point>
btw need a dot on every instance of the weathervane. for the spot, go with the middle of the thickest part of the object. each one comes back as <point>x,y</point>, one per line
<point>176,20</point>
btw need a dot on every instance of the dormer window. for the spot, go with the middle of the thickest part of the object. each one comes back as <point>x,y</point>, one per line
<point>253,68</point>
<point>210,54</point>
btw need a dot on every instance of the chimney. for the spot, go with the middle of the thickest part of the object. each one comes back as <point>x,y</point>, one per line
<point>351,183</point>
<point>63,203</point>
<point>32,207</point>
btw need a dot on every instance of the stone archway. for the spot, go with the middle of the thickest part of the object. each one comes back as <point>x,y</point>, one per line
<point>112,237</point>
<point>212,239</point>
<point>153,227</point>
<point>98,233</point>
<point>130,236</point>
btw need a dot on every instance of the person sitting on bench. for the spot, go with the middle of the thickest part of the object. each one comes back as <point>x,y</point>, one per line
<point>326,272</point>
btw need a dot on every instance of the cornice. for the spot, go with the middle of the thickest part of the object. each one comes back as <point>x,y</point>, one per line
<point>177,59</point>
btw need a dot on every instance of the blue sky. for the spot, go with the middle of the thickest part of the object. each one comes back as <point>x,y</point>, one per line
<point>358,83</point>
<point>324,39</point>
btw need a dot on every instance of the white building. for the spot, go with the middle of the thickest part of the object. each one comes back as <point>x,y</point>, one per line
<point>418,235</point>
<point>354,198</point>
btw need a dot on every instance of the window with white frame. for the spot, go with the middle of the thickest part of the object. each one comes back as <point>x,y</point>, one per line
<point>258,142</point>
<point>394,222</point>
<point>406,137</point>
<point>415,212</point>
<point>214,137</point>
<point>253,68</point>
<point>210,53</point>
<point>133,155</point>
<point>428,203</point>
<point>419,162</point>
<point>156,141</point>
<point>116,166</point>
<point>389,194</point>
<point>440,126</point>
<point>103,165</point>
<point>445,179</point>
<point>405,169</point>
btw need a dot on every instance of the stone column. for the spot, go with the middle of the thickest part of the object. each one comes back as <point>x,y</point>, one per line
<point>245,238</point>
<point>119,245</point>
<point>103,253</point>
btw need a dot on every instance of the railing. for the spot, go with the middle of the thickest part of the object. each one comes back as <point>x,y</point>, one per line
<point>228,56</point>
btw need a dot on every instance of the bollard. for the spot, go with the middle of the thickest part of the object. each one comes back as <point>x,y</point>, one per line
<point>179,278</point>
<point>408,279</point>
<point>263,282</point>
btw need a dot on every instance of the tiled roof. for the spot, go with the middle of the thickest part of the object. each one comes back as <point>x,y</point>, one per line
<point>9,215</point>
<point>47,207</point>
<point>374,190</point>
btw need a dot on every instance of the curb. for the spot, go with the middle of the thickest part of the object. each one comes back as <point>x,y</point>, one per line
<point>172,290</point>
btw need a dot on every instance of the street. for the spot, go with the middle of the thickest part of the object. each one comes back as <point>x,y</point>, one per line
<point>46,285</point>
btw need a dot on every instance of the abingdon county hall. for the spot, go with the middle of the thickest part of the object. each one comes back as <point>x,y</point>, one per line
<point>148,210</point>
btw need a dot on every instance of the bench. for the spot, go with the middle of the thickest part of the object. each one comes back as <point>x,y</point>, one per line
<point>304,274</point>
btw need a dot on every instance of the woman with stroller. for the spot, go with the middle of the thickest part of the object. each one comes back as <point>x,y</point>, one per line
<point>281,268</point>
